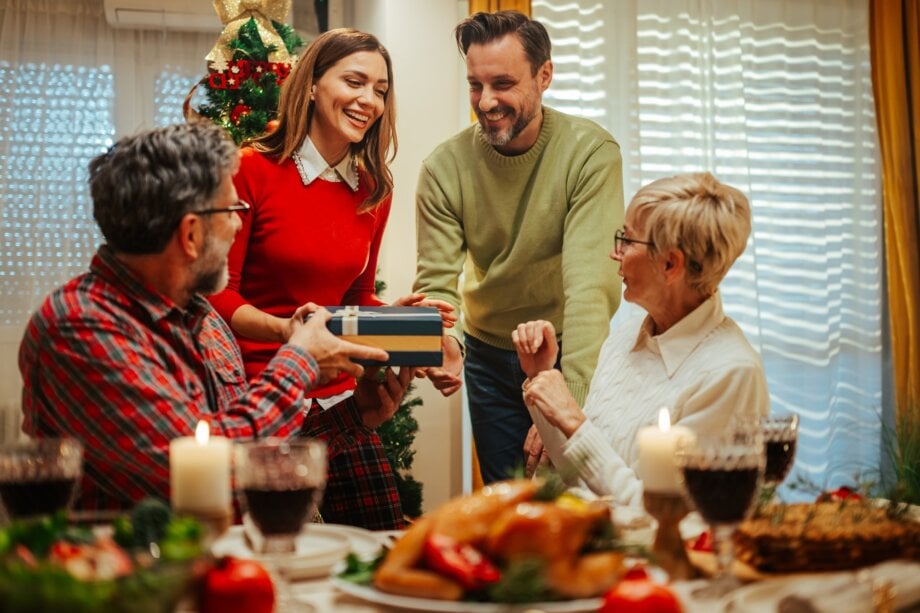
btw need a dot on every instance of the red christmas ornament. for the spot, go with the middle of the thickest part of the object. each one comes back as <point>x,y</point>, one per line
<point>238,111</point>
<point>217,80</point>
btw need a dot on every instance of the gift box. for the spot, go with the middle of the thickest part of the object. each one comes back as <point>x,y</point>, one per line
<point>411,335</point>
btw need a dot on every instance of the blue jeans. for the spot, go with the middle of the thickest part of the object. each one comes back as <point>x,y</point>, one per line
<point>497,413</point>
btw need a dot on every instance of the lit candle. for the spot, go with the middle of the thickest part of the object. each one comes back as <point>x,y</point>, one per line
<point>199,472</point>
<point>658,445</point>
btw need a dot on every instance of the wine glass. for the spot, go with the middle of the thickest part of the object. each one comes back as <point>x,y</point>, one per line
<point>281,484</point>
<point>722,475</point>
<point>780,435</point>
<point>39,476</point>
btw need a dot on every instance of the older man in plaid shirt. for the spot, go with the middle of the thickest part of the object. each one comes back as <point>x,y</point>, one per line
<point>130,355</point>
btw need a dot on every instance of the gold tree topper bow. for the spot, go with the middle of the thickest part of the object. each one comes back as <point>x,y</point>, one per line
<point>234,13</point>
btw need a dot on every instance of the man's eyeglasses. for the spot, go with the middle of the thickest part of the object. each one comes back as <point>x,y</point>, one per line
<point>620,239</point>
<point>242,207</point>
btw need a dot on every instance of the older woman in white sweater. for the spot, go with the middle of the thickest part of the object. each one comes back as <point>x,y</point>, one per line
<point>682,235</point>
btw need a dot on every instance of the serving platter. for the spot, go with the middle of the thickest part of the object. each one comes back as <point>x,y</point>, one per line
<point>705,561</point>
<point>319,548</point>
<point>375,596</point>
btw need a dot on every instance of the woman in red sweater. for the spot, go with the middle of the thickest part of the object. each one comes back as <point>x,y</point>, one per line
<point>320,193</point>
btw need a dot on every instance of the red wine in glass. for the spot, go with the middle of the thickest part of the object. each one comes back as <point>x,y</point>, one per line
<point>779,460</point>
<point>39,477</point>
<point>36,497</point>
<point>279,512</point>
<point>722,495</point>
<point>281,482</point>
<point>722,476</point>
<point>780,437</point>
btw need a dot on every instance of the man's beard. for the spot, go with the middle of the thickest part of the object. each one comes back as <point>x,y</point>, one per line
<point>211,282</point>
<point>496,137</point>
<point>211,274</point>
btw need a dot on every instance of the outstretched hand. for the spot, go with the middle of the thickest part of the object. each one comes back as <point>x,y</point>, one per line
<point>445,309</point>
<point>446,379</point>
<point>377,397</point>
<point>537,349</point>
<point>332,354</point>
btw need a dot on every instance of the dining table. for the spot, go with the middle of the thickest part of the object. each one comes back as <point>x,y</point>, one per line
<point>895,587</point>
<point>320,596</point>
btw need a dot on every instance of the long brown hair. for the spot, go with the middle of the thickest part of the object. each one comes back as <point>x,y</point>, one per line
<point>295,110</point>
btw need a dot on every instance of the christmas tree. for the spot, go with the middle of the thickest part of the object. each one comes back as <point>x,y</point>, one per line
<point>397,435</point>
<point>246,73</point>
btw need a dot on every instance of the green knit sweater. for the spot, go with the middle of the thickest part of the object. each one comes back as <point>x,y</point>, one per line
<point>531,233</point>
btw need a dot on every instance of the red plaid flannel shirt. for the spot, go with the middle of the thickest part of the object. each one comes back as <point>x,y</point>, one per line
<point>361,489</point>
<point>109,361</point>
<point>121,368</point>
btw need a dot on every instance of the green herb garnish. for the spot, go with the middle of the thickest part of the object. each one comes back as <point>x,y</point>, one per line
<point>522,581</point>
<point>360,571</point>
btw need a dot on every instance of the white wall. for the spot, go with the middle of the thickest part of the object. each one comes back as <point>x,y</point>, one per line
<point>430,85</point>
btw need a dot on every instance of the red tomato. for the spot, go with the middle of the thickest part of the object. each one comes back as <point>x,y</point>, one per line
<point>636,572</point>
<point>237,585</point>
<point>640,596</point>
<point>461,562</point>
<point>841,493</point>
<point>61,551</point>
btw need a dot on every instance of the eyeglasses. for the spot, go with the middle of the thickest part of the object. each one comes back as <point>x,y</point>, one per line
<point>242,207</point>
<point>619,239</point>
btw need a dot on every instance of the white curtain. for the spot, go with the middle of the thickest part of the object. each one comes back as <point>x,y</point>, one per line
<point>774,97</point>
<point>70,85</point>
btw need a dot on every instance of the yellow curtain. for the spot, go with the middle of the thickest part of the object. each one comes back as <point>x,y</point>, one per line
<point>895,43</point>
<point>490,6</point>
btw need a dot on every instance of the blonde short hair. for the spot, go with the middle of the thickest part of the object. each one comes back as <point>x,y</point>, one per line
<point>707,220</point>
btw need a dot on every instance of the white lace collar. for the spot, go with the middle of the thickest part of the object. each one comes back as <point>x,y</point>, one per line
<point>311,166</point>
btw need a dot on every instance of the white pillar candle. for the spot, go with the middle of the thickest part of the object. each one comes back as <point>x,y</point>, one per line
<point>199,472</point>
<point>658,445</point>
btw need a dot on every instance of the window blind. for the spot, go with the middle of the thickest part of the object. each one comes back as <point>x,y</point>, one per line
<point>775,98</point>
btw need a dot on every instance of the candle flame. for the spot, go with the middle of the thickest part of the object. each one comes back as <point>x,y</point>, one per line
<point>664,419</point>
<point>202,432</point>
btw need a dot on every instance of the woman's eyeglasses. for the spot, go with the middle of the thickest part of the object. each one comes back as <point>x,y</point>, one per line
<point>620,239</point>
<point>242,207</point>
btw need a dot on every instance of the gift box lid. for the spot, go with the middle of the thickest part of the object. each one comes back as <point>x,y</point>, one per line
<point>385,320</point>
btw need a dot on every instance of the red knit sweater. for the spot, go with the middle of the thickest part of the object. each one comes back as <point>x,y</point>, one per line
<point>299,244</point>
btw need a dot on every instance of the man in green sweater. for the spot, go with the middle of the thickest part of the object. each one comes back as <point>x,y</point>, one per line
<point>526,203</point>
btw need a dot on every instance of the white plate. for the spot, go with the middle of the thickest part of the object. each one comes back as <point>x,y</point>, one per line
<point>319,548</point>
<point>372,595</point>
<point>765,596</point>
<point>363,543</point>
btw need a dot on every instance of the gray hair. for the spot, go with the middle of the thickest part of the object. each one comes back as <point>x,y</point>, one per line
<point>145,183</point>
<point>708,221</point>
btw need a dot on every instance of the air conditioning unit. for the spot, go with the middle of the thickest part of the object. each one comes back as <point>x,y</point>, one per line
<point>190,15</point>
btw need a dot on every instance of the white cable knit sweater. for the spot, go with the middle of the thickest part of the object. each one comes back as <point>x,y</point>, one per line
<point>703,369</point>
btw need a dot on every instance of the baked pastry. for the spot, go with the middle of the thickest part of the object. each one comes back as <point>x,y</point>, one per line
<point>824,536</point>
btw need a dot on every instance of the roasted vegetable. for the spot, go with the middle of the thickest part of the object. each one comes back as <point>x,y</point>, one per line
<point>461,562</point>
